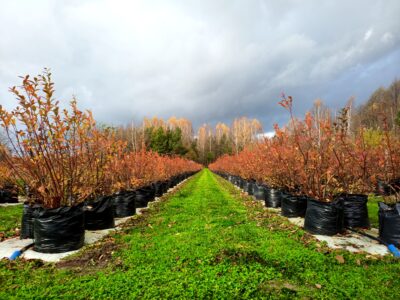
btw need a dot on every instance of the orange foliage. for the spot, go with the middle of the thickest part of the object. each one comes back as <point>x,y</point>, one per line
<point>316,157</point>
<point>64,158</point>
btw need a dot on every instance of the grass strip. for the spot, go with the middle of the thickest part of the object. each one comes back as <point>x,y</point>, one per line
<point>10,220</point>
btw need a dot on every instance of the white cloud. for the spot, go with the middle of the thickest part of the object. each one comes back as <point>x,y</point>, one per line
<point>368,34</point>
<point>387,37</point>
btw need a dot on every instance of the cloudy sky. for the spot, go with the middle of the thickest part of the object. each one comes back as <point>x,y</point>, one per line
<point>204,60</point>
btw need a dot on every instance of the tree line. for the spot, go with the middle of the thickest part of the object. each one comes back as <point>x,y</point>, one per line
<point>176,136</point>
<point>381,110</point>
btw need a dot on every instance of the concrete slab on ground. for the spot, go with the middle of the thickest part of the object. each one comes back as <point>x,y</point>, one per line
<point>350,241</point>
<point>139,210</point>
<point>8,247</point>
<point>9,204</point>
<point>354,242</point>
<point>273,209</point>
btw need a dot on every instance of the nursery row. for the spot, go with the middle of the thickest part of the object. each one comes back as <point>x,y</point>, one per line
<point>318,169</point>
<point>63,229</point>
<point>8,193</point>
<point>326,218</point>
<point>68,167</point>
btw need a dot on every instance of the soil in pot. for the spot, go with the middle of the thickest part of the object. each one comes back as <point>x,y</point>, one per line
<point>387,189</point>
<point>389,223</point>
<point>293,206</point>
<point>324,218</point>
<point>383,189</point>
<point>272,198</point>
<point>355,210</point>
<point>99,214</point>
<point>124,204</point>
<point>59,230</point>
<point>395,185</point>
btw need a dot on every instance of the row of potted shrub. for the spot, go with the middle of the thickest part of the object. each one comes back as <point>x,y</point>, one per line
<point>324,171</point>
<point>325,218</point>
<point>72,171</point>
<point>8,193</point>
<point>63,229</point>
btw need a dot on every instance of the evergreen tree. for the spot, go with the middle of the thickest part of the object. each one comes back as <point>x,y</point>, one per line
<point>167,141</point>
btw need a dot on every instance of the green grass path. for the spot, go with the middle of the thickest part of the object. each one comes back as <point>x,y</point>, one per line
<point>10,220</point>
<point>207,241</point>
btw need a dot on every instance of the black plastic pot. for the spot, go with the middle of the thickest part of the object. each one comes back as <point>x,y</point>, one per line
<point>143,196</point>
<point>389,223</point>
<point>293,206</point>
<point>152,191</point>
<point>165,186</point>
<point>259,191</point>
<point>59,230</point>
<point>158,188</point>
<point>168,184</point>
<point>174,181</point>
<point>8,197</point>
<point>124,204</point>
<point>250,187</point>
<point>355,210</point>
<point>245,185</point>
<point>99,214</point>
<point>28,215</point>
<point>241,183</point>
<point>324,218</point>
<point>273,198</point>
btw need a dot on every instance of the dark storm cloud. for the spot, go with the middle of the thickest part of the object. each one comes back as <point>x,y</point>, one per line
<point>204,60</point>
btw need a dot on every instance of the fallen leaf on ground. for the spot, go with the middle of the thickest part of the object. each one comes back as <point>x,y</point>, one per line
<point>340,259</point>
